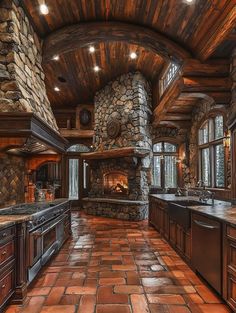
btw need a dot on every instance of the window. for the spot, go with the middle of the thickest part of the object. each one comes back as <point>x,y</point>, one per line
<point>168,76</point>
<point>212,152</point>
<point>164,165</point>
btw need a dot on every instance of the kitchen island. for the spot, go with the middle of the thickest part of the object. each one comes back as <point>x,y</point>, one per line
<point>203,234</point>
<point>30,234</point>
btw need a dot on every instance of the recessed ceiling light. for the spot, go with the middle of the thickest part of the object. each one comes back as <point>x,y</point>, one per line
<point>56,89</point>
<point>44,9</point>
<point>91,49</point>
<point>189,1</point>
<point>96,68</point>
<point>133,55</point>
<point>56,57</point>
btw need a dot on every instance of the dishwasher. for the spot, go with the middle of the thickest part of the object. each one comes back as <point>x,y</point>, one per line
<point>206,249</point>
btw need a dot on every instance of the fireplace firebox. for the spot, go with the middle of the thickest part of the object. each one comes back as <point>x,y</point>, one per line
<point>115,183</point>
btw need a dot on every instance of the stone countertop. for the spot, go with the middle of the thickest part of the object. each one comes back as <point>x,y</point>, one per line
<point>221,210</point>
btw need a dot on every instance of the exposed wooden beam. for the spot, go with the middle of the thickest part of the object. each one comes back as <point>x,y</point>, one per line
<point>204,84</point>
<point>167,100</point>
<point>76,133</point>
<point>177,124</point>
<point>216,67</point>
<point>218,33</point>
<point>177,117</point>
<point>78,36</point>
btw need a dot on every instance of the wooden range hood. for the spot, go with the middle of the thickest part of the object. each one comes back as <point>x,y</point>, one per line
<point>18,129</point>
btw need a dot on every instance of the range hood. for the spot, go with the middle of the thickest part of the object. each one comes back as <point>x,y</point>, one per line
<point>26,132</point>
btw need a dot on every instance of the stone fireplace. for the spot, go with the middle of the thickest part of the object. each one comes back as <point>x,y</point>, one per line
<point>120,162</point>
<point>115,183</point>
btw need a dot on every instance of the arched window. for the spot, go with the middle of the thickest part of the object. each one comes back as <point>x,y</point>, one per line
<point>212,152</point>
<point>164,165</point>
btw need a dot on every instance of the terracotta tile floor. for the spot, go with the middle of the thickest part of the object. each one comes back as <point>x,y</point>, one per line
<point>113,266</point>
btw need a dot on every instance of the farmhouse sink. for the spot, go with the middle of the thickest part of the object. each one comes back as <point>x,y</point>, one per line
<point>179,212</point>
<point>187,203</point>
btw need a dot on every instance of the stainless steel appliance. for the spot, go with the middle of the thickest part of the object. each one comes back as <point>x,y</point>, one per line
<point>206,252</point>
<point>47,229</point>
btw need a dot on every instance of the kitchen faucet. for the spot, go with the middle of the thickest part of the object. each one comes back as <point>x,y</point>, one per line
<point>204,194</point>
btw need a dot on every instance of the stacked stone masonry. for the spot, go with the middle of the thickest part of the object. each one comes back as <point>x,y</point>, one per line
<point>22,87</point>
<point>127,100</point>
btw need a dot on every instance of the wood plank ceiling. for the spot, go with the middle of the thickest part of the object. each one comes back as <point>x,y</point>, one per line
<point>202,28</point>
<point>81,80</point>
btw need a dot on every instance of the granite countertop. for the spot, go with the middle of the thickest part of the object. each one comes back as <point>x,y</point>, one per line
<point>8,220</point>
<point>221,210</point>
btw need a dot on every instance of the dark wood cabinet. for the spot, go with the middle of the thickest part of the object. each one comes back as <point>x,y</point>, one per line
<point>7,265</point>
<point>229,270</point>
<point>179,238</point>
<point>158,217</point>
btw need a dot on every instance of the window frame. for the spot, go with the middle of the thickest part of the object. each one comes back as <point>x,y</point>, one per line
<point>162,155</point>
<point>168,77</point>
<point>211,144</point>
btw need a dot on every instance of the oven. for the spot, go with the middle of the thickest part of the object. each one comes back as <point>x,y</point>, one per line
<point>44,241</point>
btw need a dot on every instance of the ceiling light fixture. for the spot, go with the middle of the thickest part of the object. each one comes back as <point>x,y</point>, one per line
<point>56,89</point>
<point>133,55</point>
<point>44,9</point>
<point>96,68</point>
<point>189,1</point>
<point>56,57</point>
<point>91,49</point>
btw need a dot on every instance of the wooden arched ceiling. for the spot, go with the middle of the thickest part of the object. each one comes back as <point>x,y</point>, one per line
<point>82,82</point>
<point>200,26</point>
<point>81,35</point>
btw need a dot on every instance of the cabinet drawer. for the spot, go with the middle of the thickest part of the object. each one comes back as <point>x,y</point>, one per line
<point>6,252</point>
<point>7,234</point>
<point>231,293</point>
<point>6,286</point>
<point>231,232</point>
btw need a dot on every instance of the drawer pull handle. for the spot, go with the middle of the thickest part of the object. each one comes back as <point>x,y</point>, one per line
<point>204,225</point>
<point>4,252</point>
<point>3,286</point>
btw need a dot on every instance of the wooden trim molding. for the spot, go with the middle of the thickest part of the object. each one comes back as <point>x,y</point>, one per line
<point>78,36</point>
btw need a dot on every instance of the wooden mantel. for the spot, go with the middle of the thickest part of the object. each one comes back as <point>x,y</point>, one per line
<point>116,153</point>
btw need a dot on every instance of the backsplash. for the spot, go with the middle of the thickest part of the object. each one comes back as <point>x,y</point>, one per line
<point>12,170</point>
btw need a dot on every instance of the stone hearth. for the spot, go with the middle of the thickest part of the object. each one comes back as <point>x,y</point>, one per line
<point>122,120</point>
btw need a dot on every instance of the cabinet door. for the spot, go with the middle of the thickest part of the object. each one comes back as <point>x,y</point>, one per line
<point>231,292</point>
<point>179,238</point>
<point>187,245</point>
<point>166,225</point>
<point>172,232</point>
<point>6,286</point>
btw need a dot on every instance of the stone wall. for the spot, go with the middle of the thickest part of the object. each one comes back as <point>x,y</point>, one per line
<point>127,99</point>
<point>12,171</point>
<point>22,87</point>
